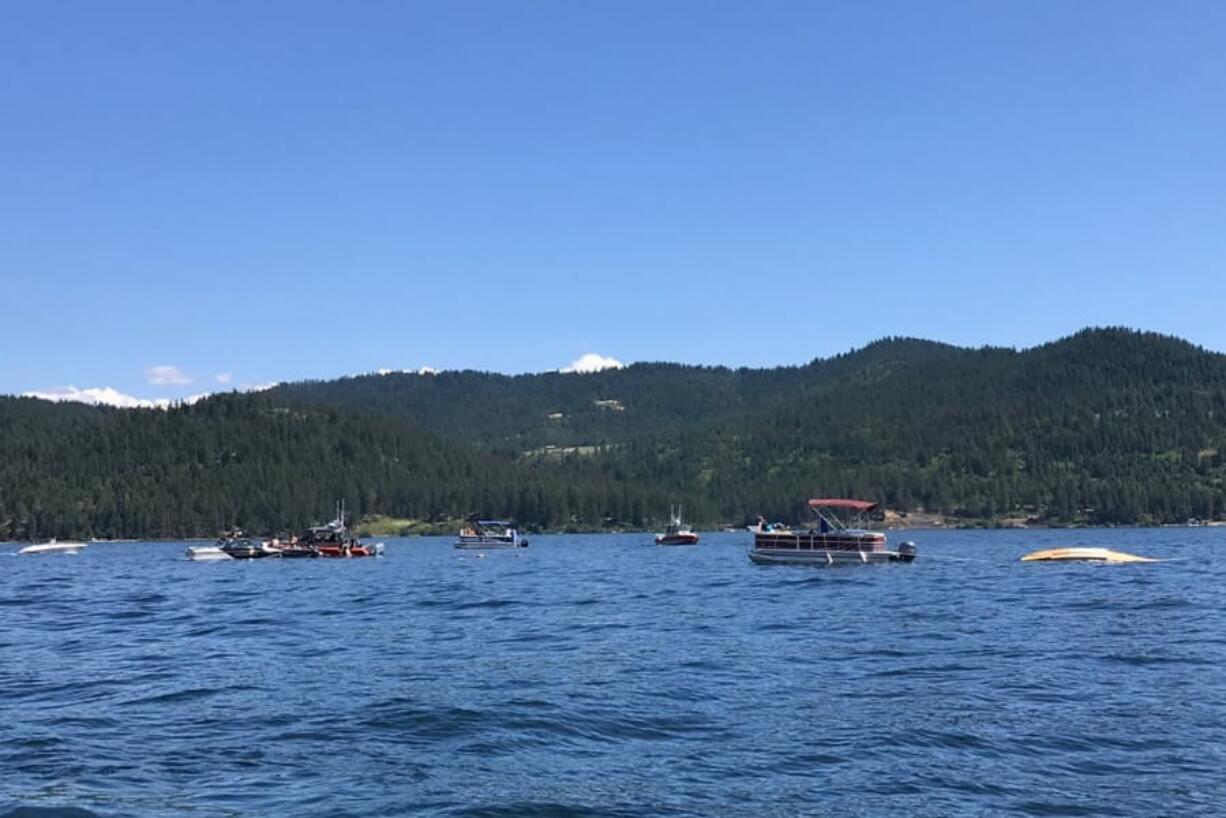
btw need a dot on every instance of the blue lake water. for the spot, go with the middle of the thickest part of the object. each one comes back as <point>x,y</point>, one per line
<point>601,675</point>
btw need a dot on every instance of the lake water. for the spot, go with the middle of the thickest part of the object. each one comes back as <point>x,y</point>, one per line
<point>601,675</point>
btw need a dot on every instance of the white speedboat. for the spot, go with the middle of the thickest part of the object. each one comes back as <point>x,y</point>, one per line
<point>490,534</point>
<point>55,547</point>
<point>828,542</point>
<point>207,553</point>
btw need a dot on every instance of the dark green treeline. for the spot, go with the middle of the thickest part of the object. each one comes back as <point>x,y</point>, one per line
<point>76,471</point>
<point>1107,426</point>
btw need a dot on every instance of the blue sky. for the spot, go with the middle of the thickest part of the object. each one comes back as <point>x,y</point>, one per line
<point>288,190</point>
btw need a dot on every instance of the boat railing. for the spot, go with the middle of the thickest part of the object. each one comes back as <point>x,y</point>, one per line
<point>814,541</point>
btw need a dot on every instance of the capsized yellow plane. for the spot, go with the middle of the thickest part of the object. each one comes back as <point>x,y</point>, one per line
<point>1083,555</point>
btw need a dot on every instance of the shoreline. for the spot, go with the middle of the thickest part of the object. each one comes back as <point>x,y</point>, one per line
<point>978,526</point>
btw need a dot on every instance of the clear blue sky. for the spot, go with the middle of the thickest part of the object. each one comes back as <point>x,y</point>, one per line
<point>302,189</point>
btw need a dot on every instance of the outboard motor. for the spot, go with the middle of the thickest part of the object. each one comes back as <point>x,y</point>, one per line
<point>906,551</point>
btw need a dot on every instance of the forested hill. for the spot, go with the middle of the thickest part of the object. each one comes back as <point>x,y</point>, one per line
<point>644,401</point>
<point>1106,426</point>
<point>68,470</point>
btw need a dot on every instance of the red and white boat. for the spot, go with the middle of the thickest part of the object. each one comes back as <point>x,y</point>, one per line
<point>677,532</point>
<point>828,540</point>
<point>332,540</point>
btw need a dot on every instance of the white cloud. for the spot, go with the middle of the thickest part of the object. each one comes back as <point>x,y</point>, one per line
<point>260,387</point>
<point>425,370</point>
<point>223,378</point>
<point>389,371</point>
<point>591,362</point>
<point>166,375</point>
<point>107,396</point>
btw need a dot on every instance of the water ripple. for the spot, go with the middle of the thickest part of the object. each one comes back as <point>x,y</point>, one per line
<point>599,676</point>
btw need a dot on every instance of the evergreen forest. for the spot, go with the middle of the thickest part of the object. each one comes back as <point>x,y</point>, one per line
<point>1108,426</point>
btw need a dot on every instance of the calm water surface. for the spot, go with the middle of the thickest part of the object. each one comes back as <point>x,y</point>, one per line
<point>600,675</point>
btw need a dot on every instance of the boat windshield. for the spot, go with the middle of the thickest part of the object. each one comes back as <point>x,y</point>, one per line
<point>830,520</point>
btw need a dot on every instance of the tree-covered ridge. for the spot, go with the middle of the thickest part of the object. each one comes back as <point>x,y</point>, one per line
<point>1107,426</point>
<point>76,471</point>
<point>517,413</point>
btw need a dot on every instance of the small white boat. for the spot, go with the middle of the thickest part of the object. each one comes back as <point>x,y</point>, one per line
<point>490,534</point>
<point>829,542</point>
<point>207,553</point>
<point>55,547</point>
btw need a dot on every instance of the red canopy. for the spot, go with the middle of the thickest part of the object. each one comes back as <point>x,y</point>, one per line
<point>858,506</point>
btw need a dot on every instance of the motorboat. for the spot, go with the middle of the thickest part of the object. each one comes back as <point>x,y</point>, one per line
<point>232,546</point>
<point>245,548</point>
<point>1084,555</point>
<point>677,532</point>
<point>207,553</point>
<point>836,536</point>
<point>54,547</point>
<point>333,540</point>
<point>293,548</point>
<point>490,534</point>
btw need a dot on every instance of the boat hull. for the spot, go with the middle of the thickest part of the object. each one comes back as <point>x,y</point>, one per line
<point>351,551</point>
<point>253,554</point>
<point>826,548</point>
<point>825,557</point>
<point>1083,555</point>
<point>298,553</point>
<point>207,554</point>
<point>54,548</point>
<point>487,544</point>
<point>677,539</point>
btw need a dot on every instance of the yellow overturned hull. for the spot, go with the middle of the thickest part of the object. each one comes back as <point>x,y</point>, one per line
<point>1083,555</point>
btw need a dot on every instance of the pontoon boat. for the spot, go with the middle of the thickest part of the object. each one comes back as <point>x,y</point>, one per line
<point>828,540</point>
<point>490,534</point>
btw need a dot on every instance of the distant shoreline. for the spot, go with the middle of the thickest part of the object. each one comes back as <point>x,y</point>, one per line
<point>976,526</point>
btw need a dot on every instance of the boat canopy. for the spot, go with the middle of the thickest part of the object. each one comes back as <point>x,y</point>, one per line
<point>858,506</point>
<point>492,523</point>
